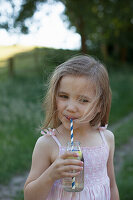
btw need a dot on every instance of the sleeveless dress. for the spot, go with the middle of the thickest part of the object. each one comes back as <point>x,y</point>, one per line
<point>96,180</point>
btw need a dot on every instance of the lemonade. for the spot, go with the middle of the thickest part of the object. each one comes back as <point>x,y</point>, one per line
<point>79,180</point>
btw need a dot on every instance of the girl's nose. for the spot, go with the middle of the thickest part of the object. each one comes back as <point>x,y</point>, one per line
<point>71,107</point>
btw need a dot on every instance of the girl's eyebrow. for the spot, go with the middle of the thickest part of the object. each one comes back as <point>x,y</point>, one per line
<point>61,92</point>
<point>83,96</point>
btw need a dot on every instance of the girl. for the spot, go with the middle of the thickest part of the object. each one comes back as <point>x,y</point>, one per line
<point>78,90</point>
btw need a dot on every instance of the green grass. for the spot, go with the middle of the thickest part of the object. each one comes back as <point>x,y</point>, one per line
<point>19,196</point>
<point>123,133</point>
<point>122,95</point>
<point>125,179</point>
<point>125,176</point>
<point>8,51</point>
<point>20,117</point>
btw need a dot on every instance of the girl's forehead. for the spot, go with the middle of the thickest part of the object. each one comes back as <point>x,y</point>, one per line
<point>77,84</point>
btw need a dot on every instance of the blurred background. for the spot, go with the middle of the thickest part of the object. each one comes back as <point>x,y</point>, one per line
<point>35,37</point>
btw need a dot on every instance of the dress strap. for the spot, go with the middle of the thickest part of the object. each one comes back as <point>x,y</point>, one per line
<point>103,137</point>
<point>51,132</point>
<point>56,140</point>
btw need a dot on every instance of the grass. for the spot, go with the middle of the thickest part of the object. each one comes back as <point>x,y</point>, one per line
<point>19,195</point>
<point>122,95</point>
<point>8,51</point>
<point>123,133</point>
<point>125,179</point>
<point>20,116</point>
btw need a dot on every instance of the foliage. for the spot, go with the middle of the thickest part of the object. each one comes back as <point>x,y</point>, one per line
<point>98,22</point>
<point>19,12</point>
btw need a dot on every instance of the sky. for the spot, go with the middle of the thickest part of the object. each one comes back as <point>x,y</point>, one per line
<point>52,32</point>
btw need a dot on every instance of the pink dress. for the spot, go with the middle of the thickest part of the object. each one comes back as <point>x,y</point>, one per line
<point>96,180</point>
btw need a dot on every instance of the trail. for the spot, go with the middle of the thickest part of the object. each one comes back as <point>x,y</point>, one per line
<point>121,121</point>
<point>125,149</point>
<point>8,192</point>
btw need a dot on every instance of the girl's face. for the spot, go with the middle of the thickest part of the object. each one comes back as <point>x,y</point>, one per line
<point>73,99</point>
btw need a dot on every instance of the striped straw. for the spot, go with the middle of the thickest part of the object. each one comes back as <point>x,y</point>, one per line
<point>73,178</point>
<point>71,134</point>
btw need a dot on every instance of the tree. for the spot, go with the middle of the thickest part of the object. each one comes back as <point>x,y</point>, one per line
<point>73,11</point>
<point>82,16</point>
<point>104,23</point>
<point>18,13</point>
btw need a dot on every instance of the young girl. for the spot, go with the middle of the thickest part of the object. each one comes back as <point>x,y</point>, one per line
<point>78,90</point>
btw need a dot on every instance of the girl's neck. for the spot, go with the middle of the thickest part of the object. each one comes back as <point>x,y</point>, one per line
<point>86,137</point>
<point>81,132</point>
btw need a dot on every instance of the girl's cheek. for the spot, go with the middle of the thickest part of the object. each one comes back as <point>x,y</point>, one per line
<point>60,105</point>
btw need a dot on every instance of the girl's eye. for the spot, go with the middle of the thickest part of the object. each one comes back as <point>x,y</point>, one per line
<point>63,96</point>
<point>84,100</point>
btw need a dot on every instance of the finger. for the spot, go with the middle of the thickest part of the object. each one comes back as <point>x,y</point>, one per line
<point>70,174</point>
<point>69,154</point>
<point>72,168</point>
<point>73,162</point>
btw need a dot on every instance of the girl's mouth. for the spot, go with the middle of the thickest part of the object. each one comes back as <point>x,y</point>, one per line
<point>70,118</point>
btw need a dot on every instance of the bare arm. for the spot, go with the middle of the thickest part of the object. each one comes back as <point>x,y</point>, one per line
<point>39,175</point>
<point>110,166</point>
<point>43,174</point>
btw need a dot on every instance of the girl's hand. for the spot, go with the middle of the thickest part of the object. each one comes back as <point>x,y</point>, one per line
<point>65,166</point>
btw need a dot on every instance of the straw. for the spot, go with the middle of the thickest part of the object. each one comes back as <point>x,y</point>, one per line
<point>71,134</point>
<point>71,124</point>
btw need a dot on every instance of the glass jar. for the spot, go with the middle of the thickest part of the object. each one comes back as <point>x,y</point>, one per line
<point>79,180</point>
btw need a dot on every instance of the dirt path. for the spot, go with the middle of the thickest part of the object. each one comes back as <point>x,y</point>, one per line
<point>8,192</point>
<point>16,184</point>
<point>121,154</point>
<point>121,121</point>
<point>125,149</point>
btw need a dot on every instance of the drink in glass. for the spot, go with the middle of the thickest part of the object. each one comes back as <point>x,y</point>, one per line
<point>79,180</point>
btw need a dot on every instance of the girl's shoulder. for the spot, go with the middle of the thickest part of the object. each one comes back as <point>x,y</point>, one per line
<point>48,143</point>
<point>43,142</point>
<point>46,140</point>
<point>109,134</point>
<point>109,137</point>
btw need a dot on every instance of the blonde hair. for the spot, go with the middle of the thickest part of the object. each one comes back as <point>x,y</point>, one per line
<point>78,66</point>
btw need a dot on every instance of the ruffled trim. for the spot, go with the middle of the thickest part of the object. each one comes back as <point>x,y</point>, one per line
<point>48,131</point>
<point>103,128</point>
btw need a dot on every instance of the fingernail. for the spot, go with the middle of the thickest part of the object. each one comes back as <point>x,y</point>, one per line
<point>75,154</point>
<point>82,163</point>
